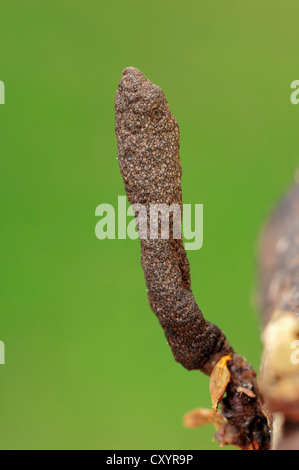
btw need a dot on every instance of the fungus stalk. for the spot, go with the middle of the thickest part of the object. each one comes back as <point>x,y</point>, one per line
<point>148,154</point>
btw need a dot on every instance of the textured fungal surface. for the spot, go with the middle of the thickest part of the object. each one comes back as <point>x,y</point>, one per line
<point>148,154</point>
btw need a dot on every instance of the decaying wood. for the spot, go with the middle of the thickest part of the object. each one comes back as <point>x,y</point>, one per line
<point>148,155</point>
<point>279,299</point>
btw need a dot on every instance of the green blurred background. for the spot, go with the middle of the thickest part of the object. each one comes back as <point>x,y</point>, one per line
<point>88,366</point>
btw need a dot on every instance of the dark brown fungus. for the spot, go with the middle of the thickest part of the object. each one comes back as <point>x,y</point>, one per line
<point>148,154</point>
